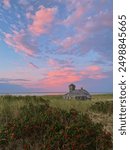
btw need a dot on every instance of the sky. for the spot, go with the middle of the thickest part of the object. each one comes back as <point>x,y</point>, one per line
<point>45,45</point>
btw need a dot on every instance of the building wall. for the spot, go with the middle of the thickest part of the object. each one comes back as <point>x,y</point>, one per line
<point>76,97</point>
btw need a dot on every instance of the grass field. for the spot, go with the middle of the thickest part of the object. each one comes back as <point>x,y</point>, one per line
<point>52,123</point>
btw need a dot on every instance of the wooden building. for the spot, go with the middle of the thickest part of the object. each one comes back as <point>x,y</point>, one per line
<point>78,94</point>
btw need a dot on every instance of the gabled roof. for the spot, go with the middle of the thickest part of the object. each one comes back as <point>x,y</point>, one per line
<point>78,92</point>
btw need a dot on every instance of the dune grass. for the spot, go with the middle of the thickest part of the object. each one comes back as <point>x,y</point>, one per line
<point>13,103</point>
<point>22,118</point>
<point>82,106</point>
<point>10,105</point>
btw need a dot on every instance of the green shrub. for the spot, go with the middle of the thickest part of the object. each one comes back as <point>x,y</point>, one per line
<point>53,129</point>
<point>103,107</point>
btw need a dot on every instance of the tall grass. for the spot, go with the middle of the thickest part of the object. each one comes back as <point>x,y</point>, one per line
<point>51,123</point>
<point>14,103</point>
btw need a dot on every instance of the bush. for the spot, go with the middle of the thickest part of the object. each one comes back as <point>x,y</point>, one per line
<point>44,127</point>
<point>103,107</point>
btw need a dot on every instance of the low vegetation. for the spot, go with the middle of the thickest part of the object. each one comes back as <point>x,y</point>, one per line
<point>51,123</point>
<point>102,107</point>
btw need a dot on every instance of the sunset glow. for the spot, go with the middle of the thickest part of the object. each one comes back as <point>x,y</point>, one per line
<point>47,44</point>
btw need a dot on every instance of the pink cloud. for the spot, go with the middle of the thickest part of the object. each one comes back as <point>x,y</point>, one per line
<point>63,76</point>
<point>6,3</point>
<point>18,41</point>
<point>59,78</point>
<point>94,68</point>
<point>70,41</point>
<point>77,9</point>
<point>42,20</point>
<point>93,72</point>
<point>96,23</point>
<point>85,29</point>
<point>53,62</point>
<point>97,76</point>
<point>54,79</point>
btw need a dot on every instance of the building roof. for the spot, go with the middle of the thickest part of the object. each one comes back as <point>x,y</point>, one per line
<point>78,92</point>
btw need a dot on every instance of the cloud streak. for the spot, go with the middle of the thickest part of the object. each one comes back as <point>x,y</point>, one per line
<point>32,65</point>
<point>21,42</point>
<point>4,80</point>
